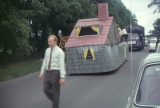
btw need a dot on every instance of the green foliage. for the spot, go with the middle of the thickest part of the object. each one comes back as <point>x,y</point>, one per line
<point>65,14</point>
<point>18,70</point>
<point>14,31</point>
<point>156,25</point>
<point>155,3</point>
<point>122,15</point>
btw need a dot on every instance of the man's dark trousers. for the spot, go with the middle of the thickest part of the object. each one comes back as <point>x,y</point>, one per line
<point>52,86</point>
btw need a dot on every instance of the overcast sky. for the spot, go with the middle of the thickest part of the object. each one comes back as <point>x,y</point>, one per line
<point>144,14</point>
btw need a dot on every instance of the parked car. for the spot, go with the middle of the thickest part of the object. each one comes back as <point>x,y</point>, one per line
<point>158,48</point>
<point>152,45</point>
<point>146,42</point>
<point>146,92</point>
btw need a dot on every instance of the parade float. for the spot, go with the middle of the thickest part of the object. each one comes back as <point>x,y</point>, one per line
<point>94,45</point>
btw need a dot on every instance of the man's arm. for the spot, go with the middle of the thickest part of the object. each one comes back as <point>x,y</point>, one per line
<point>62,68</point>
<point>43,67</point>
<point>62,65</point>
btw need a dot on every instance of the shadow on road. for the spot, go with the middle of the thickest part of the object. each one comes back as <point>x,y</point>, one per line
<point>94,74</point>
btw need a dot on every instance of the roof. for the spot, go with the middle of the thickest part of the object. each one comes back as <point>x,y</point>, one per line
<point>151,58</point>
<point>74,41</point>
<point>103,20</point>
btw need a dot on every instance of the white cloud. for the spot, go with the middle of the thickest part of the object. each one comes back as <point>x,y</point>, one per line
<point>144,14</point>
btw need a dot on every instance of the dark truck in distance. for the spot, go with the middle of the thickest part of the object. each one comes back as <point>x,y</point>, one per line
<point>136,37</point>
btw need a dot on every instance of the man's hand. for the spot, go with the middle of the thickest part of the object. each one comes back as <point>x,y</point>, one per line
<point>41,76</point>
<point>62,81</point>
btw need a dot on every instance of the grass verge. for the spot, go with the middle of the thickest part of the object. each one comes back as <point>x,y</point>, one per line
<point>18,70</point>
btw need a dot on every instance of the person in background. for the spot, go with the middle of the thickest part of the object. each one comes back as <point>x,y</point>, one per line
<point>124,35</point>
<point>54,68</point>
<point>119,30</point>
<point>59,36</point>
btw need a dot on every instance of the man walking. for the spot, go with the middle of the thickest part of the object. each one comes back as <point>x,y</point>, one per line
<point>54,65</point>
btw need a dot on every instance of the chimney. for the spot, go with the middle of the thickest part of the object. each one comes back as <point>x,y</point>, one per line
<point>103,12</point>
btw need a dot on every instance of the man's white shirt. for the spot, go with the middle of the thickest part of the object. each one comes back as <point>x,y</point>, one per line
<point>57,61</point>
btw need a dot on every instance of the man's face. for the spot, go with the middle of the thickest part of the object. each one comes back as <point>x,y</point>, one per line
<point>51,42</point>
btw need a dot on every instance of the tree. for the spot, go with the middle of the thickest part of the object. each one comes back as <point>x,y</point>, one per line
<point>155,3</point>
<point>156,32</point>
<point>14,31</point>
<point>65,14</point>
<point>156,25</point>
<point>121,14</point>
<point>37,13</point>
<point>56,15</point>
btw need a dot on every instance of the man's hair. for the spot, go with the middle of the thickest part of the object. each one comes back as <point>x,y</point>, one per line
<point>55,38</point>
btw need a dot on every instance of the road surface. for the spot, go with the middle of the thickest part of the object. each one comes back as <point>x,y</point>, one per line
<point>109,90</point>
